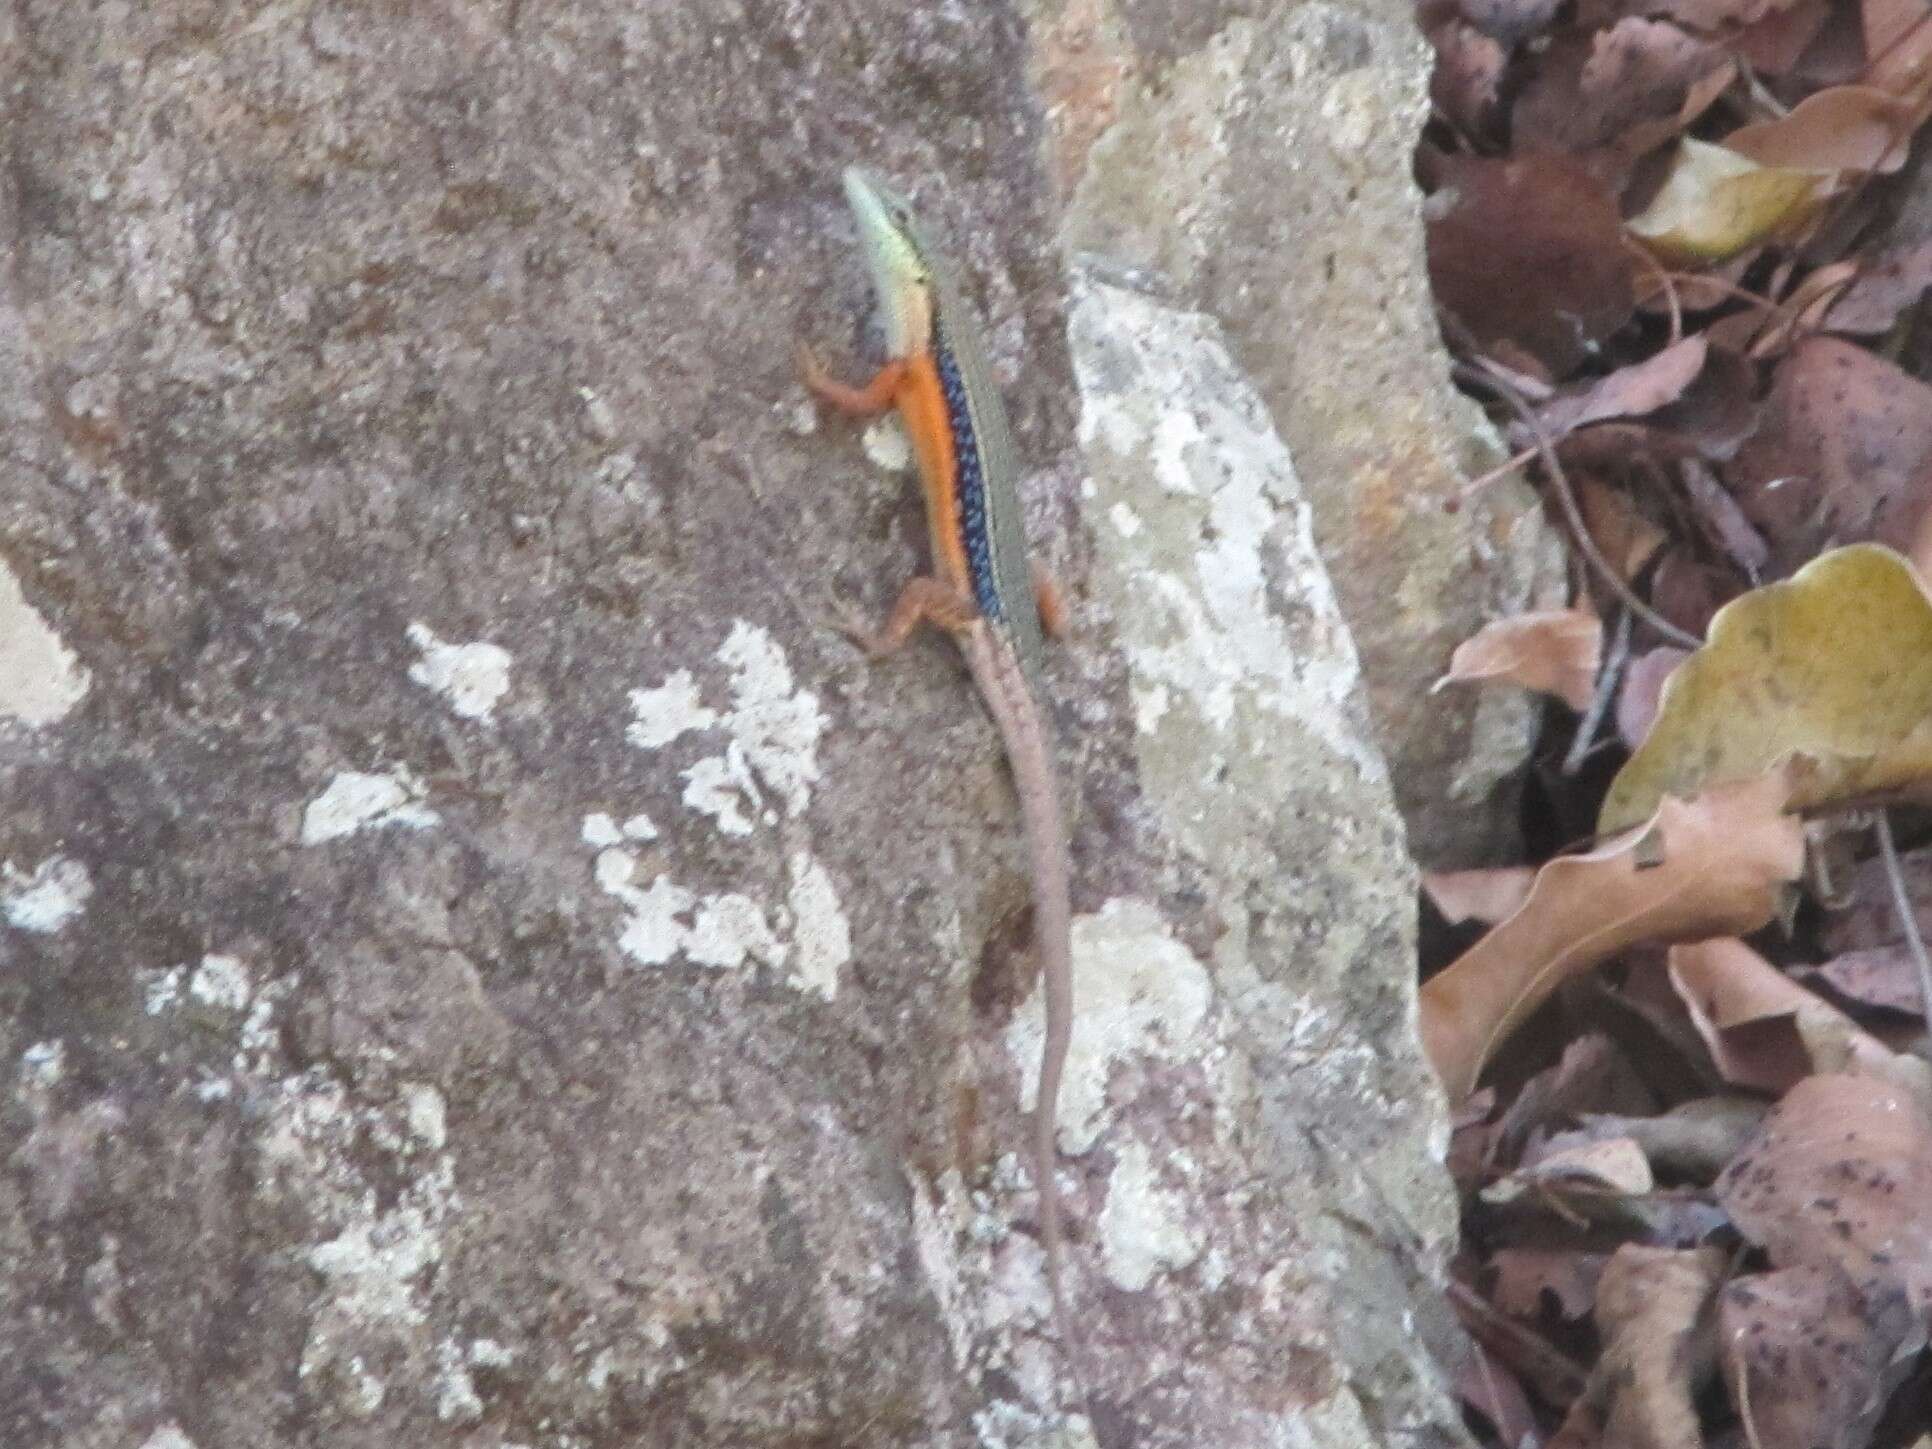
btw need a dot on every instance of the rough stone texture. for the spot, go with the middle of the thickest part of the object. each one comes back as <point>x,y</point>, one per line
<point>1256,159</point>
<point>479,963</point>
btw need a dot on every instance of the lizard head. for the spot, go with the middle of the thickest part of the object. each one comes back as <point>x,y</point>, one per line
<point>902,273</point>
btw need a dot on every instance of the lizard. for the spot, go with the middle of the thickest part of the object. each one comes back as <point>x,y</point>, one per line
<point>982,590</point>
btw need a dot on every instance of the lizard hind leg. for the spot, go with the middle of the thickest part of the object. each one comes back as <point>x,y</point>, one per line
<point>859,402</point>
<point>924,600</point>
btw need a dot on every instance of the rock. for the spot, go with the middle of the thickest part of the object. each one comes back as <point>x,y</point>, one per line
<point>481,963</point>
<point>1262,172</point>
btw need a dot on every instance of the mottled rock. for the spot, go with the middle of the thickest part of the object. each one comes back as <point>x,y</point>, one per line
<point>480,963</point>
<point>1260,168</point>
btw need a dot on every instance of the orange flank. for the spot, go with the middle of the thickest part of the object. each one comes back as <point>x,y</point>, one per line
<point>913,386</point>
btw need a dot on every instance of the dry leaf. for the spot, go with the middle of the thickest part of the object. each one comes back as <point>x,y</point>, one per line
<point>1715,203</point>
<point>1691,1142</point>
<point>1555,651</point>
<point>1468,70</point>
<point>1643,387</point>
<point>1528,255</point>
<point>1657,1348</point>
<point>1723,521</point>
<point>1840,1174</point>
<point>1591,90</point>
<point>1485,895</point>
<point>1882,976</point>
<point>1615,1165</point>
<point>1525,1275</point>
<point>1622,534</point>
<point>1831,669</point>
<point>1841,456</point>
<point>1711,867</point>
<point>1643,682</point>
<point>1486,1384</point>
<point>1845,128</point>
<point>1885,287</point>
<point>1749,1014</point>
<point>1809,1357</point>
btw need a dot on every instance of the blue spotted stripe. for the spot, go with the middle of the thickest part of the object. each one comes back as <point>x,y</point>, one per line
<point>970,481</point>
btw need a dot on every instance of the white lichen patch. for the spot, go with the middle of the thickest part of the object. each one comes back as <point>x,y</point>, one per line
<point>660,715</point>
<point>472,677</point>
<point>771,729</point>
<point>886,444</point>
<point>821,934</point>
<point>600,830</point>
<point>1144,1227</point>
<point>354,801</point>
<point>40,679</point>
<point>727,929</point>
<point>1141,993</point>
<point>456,1397</point>
<point>160,990</point>
<point>220,982</point>
<point>48,898</point>
<point>1178,437</point>
<point>375,1256</point>
<point>168,1436</point>
<point>42,1065</point>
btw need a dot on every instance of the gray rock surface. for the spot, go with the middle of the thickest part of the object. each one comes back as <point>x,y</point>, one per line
<point>1260,166</point>
<point>480,964</point>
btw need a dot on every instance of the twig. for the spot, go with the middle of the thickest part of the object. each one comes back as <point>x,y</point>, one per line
<point>1566,498</point>
<point>1902,903</point>
<point>1607,675</point>
<point>1670,287</point>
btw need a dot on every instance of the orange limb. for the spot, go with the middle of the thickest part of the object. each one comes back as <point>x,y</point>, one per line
<point>924,600</point>
<point>859,402</point>
<point>1051,603</point>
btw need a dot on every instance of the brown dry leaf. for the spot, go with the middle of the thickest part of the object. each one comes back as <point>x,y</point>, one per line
<point>1869,918</point>
<point>1899,41</point>
<point>1845,128</point>
<point>1591,90</point>
<point>1840,1174</point>
<point>1510,21</point>
<point>1830,670</point>
<point>1622,534</point>
<point>1810,1358</point>
<point>1716,412</point>
<point>1643,682</point>
<point>1750,1013</point>
<point>1554,651</point>
<point>1772,45</point>
<point>1722,521</point>
<point>1524,1275</point>
<point>1643,387</point>
<point>1886,286</point>
<point>1715,203</point>
<point>1657,1349</point>
<point>1614,1165</point>
<point>1882,976</point>
<point>1468,71</point>
<point>1797,316</point>
<point>1486,1384</point>
<point>1712,867</point>
<point>1691,1142</point>
<point>1528,255</point>
<point>1486,895</point>
<point>1842,454</point>
<point>1591,1075</point>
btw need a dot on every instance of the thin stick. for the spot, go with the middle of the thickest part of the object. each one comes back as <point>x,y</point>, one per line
<point>1902,903</point>
<point>1566,499</point>
<point>1607,676</point>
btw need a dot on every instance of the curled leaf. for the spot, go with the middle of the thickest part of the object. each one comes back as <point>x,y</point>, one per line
<point>1831,669</point>
<point>1555,651</point>
<point>1761,1026</point>
<point>1714,866</point>
<point>1715,203</point>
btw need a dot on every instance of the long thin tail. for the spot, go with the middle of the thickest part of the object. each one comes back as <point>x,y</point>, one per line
<point>1029,750</point>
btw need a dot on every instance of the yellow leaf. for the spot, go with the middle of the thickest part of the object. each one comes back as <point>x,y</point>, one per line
<point>1830,670</point>
<point>1716,203</point>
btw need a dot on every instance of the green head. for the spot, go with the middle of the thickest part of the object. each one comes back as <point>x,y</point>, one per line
<point>902,271</point>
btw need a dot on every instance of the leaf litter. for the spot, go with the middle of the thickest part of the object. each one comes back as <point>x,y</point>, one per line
<point>1683,248</point>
